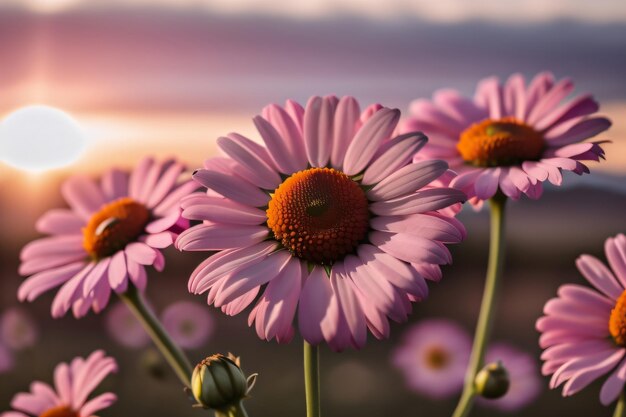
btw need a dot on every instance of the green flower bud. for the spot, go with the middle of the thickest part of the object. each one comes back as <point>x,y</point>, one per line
<point>219,383</point>
<point>492,381</point>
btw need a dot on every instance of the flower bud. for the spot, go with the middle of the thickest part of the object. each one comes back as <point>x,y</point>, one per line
<point>492,381</point>
<point>219,383</point>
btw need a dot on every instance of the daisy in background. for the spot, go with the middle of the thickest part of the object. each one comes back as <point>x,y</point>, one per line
<point>583,331</point>
<point>113,229</point>
<point>433,357</point>
<point>329,218</point>
<point>123,327</point>
<point>524,379</point>
<point>73,383</point>
<point>17,329</point>
<point>510,137</point>
<point>189,324</point>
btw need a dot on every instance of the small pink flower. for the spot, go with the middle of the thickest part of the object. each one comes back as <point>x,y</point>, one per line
<point>584,330</point>
<point>6,359</point>
<point>525,381</point>
<point>112,231</point>
<point>433,357</point>
<point>72,385</point>
<point>124,327</point>
<point>509,137</point>
<point>17,329</point>
<point>329,218</point>
<point>189,324</point>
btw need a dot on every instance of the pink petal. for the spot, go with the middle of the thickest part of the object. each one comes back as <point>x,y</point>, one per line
<point>394,154</point>
<point>83,196</point>
<point>489,95</point>
<point>137,177</point>
<point>318,130</point>
<point>43,263</point>
<point>584,377</point>
<point>232,187</point>
<point>218,237</point>
<point>159,240</point>
<point>60,222</point>
<point>165,184</point>
<point>283,152</point>
<point>614,385</point>
<point>407,179</point>
<point>585,129</point>
<point>487,183</point>
<point>98,403</point>
<point>51,246</point>
<point>172,201</point>
<point>420,202</point>
<point>256,275</point>
<point>411,248</point>
<point>137,274</point>
<point>289,127</point>
<point>615,249</point>
<point>222,210</point>
<point>97,273</point>
<point>599,276</point>
<point>315,300</point>
<point>349,306</point>
<point>581,106</point>
<point>368,139</point>
<point>262,174</point>
<point>344,126</point>
<point>427,226</point>
<point>551,99</point>
<point>39,283</point>
<point>117,270</point>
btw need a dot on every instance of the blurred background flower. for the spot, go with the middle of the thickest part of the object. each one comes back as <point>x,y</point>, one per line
<point>433,357</point>
<point>124,328</point>
<point>525,384</point>
<point>18,330</point>
<point>188,323</point>
<point>6,359</point>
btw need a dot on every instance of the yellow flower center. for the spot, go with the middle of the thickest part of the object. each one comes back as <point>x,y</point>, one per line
<point>61,411</point>
<point>500,143</point>
<point>436,357</point>
<point>617,321</point>
<point>319,214</point>
<point>114,226</point>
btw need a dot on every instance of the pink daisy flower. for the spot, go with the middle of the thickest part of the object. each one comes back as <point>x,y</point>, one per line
<point>73,384</point>
<point>17,329</point>
<point>189,324</point>
<point>329,217</point>
<point>123,327</point>
<point>510,137</point>
<point>433,357</point>
<point>584,330</point>
<point>112,230</point>
<point>525,382</point>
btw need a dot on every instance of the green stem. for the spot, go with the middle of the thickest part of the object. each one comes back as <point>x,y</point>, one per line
<point>236,410</point>
<point>312,379</point>
<point>172,353</point>
<point>485,318</point>
<point>620,408</point>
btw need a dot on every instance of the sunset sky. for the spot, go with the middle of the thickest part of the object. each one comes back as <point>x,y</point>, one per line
<point>168,77</point>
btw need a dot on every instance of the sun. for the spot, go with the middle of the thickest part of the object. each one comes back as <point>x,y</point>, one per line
<point>38,138</point>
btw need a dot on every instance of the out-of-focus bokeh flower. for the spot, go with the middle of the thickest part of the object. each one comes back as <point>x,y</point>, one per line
<point>510,137</point>
<point>188,323</point>
<point>6,359</point>
<point>524,379</point>
<point>433,356</point>
<point>583,331</point>
<point>73,383</point>
<point>112,230</point>
<point>17,329</point>
<point>124,327</point>
<point>329,218</point>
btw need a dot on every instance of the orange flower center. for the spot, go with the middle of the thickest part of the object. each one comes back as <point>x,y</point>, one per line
<point>319,214</point>
<point>617,321</point>
<point>436,358</point>
<point>60,411</point>
<point>114,226</point>
<point>500,143</point>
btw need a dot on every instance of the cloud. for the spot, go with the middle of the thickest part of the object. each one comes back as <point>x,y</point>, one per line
<point>444,11</point>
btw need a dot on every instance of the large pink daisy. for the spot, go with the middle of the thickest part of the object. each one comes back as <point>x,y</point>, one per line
<point>330,217</point>
<point>112,230</point>
<point>584,330</point>
<point>73,384</point>
<point>509,137</point>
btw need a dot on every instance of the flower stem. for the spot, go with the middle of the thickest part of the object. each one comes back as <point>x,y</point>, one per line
<point>485,317</point>
<point>620,408</point>
<point>172,353</point>
<point>236,410</point>
<point>312,379</point>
